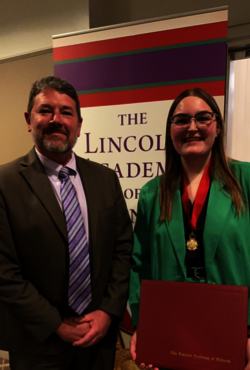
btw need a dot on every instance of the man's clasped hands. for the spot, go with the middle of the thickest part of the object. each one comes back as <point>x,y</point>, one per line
<point>84,331</point>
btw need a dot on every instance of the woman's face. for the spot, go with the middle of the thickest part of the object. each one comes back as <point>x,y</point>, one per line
<point>191,142</point>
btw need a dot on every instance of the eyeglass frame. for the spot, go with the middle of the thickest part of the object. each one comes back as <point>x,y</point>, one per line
<point>198,124</point>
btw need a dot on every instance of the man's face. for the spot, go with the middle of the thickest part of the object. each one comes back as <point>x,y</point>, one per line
<point>53,122</point>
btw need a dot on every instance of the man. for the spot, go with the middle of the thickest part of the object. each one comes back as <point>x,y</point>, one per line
<point>42,324</point>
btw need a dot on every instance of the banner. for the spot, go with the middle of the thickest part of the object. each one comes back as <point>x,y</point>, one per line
<point>127,78</point>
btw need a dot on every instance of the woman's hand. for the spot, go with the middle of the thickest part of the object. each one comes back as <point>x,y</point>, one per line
<point>248,355</point>
<point>133,341</point>
<point>133,353</point>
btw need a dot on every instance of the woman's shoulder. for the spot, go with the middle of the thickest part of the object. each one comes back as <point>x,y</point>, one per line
<point>241,170</point>
<point>149,199</point>
<point>152,186</point>
<point>239,167</point>
<point>149,192</point>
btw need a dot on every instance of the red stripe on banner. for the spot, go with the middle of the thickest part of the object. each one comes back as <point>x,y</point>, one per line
<point>144,41</point>
<point>215,88</point>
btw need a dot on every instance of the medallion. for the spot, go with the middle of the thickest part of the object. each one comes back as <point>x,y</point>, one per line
<point>198,205</point>
<point>192,244</point>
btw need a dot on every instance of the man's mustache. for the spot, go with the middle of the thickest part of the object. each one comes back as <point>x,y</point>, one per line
<point>54,129</point>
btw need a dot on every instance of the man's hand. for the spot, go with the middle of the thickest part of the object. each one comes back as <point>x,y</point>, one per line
<point>71,330</point>
<point>133,342</point>
<point>248,355</point>
<point>99,322</point>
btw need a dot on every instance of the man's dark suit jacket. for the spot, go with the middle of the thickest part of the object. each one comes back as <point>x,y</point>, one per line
<point>34,261</point>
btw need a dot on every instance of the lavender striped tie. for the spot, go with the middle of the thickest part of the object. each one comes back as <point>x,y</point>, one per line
<point>79,270</point>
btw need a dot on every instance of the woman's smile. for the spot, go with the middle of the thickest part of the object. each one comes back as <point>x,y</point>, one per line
<point>192,141</point>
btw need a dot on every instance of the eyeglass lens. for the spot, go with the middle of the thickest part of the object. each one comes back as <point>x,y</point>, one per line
<point>185,119</point>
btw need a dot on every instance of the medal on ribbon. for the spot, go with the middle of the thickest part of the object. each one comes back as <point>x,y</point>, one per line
<point>199,201</point>
<point>192,243</point>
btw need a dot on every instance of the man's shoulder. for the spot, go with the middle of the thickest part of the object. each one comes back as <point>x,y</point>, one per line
<point>94,166</point>
<point>11,166</point>
<point>14,165</point>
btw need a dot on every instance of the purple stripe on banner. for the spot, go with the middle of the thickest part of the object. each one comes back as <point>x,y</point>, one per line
<point>159,66</point>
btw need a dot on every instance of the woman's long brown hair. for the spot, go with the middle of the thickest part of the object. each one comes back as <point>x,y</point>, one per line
<point>219,161</point>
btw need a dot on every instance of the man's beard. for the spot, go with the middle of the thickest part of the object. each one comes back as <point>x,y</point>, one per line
<point>53,143</point>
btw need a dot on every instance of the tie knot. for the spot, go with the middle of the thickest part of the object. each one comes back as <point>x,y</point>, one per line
<point>63,174</point>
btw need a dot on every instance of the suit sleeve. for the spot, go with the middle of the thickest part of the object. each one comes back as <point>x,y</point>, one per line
<point>116,295</point>
<point>141,268</point>
<point>19,297</point>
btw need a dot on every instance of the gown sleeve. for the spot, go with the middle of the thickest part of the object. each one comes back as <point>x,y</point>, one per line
<point>141,268</point>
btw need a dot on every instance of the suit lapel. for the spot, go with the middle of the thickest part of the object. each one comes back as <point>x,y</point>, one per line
<point>176,230</point>
<point>219,206</point>
<point>32,170</point>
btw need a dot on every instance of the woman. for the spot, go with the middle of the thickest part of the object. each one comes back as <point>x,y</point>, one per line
<point>193,222</point>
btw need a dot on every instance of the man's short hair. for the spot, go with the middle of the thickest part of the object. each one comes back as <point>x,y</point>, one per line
<point>56,83</point>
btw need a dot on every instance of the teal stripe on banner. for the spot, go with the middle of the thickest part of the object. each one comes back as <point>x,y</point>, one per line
<point>159,84</point>
<point>175,46</point>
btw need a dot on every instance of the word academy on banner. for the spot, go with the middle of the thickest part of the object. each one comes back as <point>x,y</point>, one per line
<point>129,144</point>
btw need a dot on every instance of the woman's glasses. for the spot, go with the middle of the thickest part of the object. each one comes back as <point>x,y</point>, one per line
<point>201,119</point>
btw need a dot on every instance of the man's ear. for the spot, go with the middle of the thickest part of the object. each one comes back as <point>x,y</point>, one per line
<point>79,127</point>
<point>27,119</point>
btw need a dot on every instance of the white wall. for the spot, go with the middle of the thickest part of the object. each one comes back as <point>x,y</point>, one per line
<point>238,129</point>
<point>28,25</point>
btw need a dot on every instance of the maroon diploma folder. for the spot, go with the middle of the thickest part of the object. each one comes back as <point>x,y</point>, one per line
<point>192,326</point>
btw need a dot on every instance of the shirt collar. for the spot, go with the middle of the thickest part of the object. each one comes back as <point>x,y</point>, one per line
<point>52,168</point>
